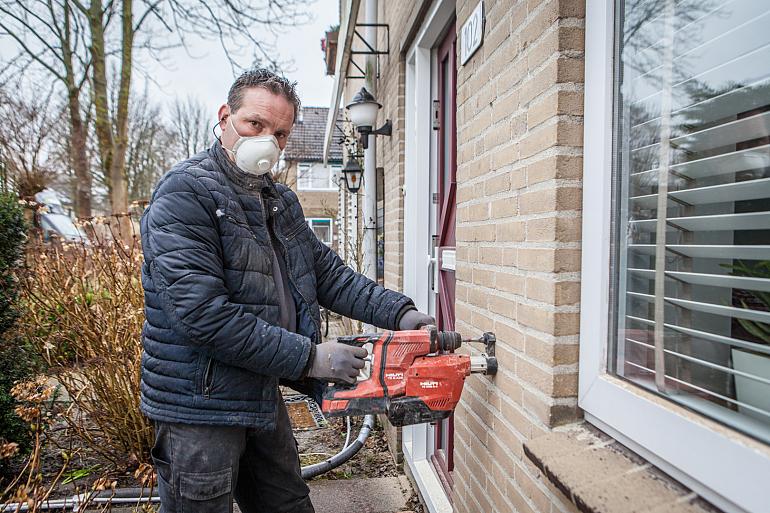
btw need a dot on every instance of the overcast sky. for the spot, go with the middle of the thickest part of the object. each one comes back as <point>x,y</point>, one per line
<point>208,75</point>
<point>205,73</point>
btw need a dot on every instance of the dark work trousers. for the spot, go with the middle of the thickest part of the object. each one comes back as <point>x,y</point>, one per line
<point>202,468</point>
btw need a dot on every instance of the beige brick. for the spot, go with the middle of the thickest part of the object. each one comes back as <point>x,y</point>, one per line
<point>505,106</point>
<point>478,297</point>
<point>570,133</point>
<point>542,110</point>
<point>478,211</point>
<point>537,318</point>
<point>520,504</point>
<point>538,24</point>
<point>536,259</point>
<point>567,323</point>
<point>504,155</point>
<point>556,167</point>
<point>567,293</point>
<point>481,321</point>
<point>535,376</point>
<point>463,272</point>
<point>510,257</point>
<point>509,282</point>
<point>541,230</point>
<point>512,231</point>
<point>549,353</point>
<point>475,233</point>
<point>505,207</point>
<point>490,256</point>
<point>518,420</point>
<point>484,278</point>
<point>540,289</point>
<point>539,140</point>
<point>509,336</point>
<point>502,306</point>
<point>568,229</point>
<point>566,260</point>
<point>532,491</point>
<point>497,184</point>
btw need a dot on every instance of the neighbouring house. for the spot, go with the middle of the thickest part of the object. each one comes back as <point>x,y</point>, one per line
<point>315,183</point>
<point>590,180</point>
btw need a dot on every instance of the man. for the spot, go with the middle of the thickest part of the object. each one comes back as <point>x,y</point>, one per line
<point>233,278</point>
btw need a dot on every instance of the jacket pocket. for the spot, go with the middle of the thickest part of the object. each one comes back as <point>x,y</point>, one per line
<point>208,378</point>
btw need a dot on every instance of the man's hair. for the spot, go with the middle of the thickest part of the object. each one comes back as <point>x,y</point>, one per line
<point>266,79</point>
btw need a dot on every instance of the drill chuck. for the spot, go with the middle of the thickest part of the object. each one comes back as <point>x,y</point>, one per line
<point>449,340</point>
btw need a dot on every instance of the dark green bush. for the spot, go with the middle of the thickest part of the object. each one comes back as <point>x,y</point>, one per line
<point>12,237</point>
<point>15,361</point>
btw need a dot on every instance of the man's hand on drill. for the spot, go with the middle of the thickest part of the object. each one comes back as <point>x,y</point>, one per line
<point>337,362</point>
<point>414,320</point>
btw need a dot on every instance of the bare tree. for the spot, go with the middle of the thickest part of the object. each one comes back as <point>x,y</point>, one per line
<point>152,148</point>
<point>190,120</point>
<point>52,36</point>
<point>73,40</point>
<point>28,151</point>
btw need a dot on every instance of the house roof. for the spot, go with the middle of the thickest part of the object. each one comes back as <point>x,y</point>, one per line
<point>306,142</point>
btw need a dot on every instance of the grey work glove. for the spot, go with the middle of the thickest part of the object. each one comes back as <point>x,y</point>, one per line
<point>414,320</point>
<point>337,362</point>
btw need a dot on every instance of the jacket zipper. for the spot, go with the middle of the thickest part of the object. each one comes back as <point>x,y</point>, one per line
<point>288,266</point>
<point>207,379</point>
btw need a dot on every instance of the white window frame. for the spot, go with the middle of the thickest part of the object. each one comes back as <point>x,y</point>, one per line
<point>727,468</point>
<point>334,170</point>
<point>311,220</point>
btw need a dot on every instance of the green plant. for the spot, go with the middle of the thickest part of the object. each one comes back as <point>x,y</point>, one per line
<point>17,362</point>
<point>760,330</point>
<point>12,238</point>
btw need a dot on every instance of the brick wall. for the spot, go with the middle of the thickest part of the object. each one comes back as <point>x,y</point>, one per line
<point>520,130</point>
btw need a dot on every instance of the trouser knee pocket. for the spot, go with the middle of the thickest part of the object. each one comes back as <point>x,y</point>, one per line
<point>206,492</point>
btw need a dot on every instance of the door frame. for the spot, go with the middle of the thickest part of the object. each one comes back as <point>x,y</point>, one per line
<point>418,441</point>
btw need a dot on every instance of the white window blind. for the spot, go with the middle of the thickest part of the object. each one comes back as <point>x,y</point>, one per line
<point>316,176</point>
<point>691,225</point>
<point>322,229</point>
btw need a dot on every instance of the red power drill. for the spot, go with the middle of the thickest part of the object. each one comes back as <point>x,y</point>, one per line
<point>408,377</point>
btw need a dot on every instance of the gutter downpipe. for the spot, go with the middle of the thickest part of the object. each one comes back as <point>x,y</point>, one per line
<point>369,247</point>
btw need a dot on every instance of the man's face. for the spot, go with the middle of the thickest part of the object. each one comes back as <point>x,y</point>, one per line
<point>261,113</point>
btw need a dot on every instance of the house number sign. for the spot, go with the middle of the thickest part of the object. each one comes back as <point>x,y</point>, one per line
<point>472,33</point>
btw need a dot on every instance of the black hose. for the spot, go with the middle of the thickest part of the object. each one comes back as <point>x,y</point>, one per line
<point>134,495</point>
<point>341,457</point>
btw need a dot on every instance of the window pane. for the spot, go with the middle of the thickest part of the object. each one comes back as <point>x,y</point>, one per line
<point>314,176</point>
<point>322,229</point>
<point>691,261</point>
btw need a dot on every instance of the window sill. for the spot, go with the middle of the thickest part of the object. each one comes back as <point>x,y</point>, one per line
<point>599,475</point>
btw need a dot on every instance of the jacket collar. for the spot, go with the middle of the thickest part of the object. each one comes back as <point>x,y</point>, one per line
<point>246,180</point>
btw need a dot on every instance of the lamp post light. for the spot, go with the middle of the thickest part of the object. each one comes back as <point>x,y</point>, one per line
<point>352,173</point>
<point>363,114</point>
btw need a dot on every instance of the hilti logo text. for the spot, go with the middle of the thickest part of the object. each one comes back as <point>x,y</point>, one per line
<point>429,384</point>
<point>394,375</point>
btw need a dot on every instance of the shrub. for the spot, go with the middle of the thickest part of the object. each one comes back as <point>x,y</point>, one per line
<point>84,309</point>
<point>16,362</point>
<point>12,237</point>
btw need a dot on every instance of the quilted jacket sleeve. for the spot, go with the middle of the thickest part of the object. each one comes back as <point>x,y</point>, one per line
<point>181,245</point>
<point>353,295</point>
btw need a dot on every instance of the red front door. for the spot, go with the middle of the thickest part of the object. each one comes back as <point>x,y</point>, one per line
<point>445,228</point>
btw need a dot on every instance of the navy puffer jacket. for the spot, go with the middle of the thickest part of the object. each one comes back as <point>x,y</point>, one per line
<point>213,351</point>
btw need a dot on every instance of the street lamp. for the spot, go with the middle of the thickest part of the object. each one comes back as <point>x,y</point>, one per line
<point>363,114</point>
<point>352,173</point>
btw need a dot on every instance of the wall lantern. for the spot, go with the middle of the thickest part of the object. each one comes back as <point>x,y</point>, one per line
<point>352,172</point>
<point>363,114</point>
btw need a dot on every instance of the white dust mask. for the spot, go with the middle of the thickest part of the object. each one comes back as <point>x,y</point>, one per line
<point>255,154</point>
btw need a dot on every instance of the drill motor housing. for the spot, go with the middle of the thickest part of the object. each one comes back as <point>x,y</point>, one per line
<point>410,377</point>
